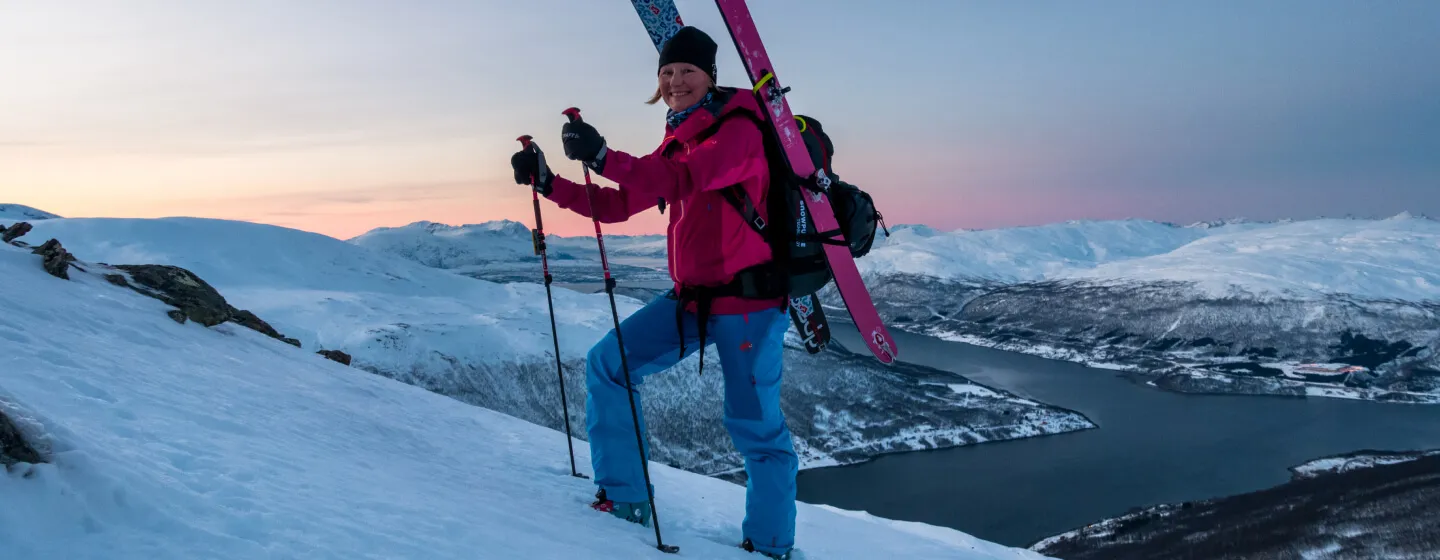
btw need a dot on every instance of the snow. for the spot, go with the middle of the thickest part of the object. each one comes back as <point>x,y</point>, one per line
<point>1393,258</point>
<point>1397,258</point>
<point>969,389</point>
<point>1022,253</point>
<point>490,345</point>
<point>328,293</point>
<point>178,441</point>
<point>10,213</point>
<point>1357,461</point>
<point>470,245</point>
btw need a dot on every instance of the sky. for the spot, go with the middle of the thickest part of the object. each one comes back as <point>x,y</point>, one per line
<point>338,116</point>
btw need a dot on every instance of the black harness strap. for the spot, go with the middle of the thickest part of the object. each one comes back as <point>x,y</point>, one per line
<point>738,198</point>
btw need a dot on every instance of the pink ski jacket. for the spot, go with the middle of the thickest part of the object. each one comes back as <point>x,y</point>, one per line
<point>708,240</point>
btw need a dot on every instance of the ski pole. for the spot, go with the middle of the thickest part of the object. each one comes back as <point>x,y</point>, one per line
<point>539,242</point>
<point>574,115</point>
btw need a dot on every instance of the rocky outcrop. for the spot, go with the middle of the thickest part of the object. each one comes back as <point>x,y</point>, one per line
<point>248,319</point>
<point>336,355</point>
<point>57,259</point>
<point>193,298</point>
<point>182,289</point>
<point>13,448</point>
<point>15,231</point>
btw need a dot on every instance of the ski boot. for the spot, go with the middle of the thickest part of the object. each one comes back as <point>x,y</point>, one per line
<point>634,512</point>
<point>749,547</point>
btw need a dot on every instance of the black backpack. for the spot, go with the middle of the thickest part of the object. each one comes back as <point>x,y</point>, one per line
<point>798,267</point>
<point>797,249</point>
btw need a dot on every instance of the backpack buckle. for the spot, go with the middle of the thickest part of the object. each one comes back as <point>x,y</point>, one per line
<point>758,222</point>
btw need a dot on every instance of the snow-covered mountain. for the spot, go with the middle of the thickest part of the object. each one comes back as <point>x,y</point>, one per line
<point>503,251</point>
<point>489,344</point>
<point>1374,259</point>
<point>10,213</point>
<point>1229,307</point>
<point>176,441</point>
<point>1395,258</point>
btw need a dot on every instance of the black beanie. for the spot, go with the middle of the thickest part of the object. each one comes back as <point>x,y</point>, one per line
<point>693,46</point>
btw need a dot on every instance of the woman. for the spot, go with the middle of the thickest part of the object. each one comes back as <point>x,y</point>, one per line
<point>705,158</point>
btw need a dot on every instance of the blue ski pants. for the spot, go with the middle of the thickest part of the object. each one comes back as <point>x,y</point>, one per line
<point>751,348</point>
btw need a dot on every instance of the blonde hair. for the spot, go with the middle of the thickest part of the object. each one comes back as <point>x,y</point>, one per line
<point>656,97</point>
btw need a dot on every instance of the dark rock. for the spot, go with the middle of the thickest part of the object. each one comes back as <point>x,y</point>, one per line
<point>194,299</point>
<point>57,259</point>
<point>183,289</point>
<point>336,355</point>
<point>247,319</point>
<point>13,448</point>
<point>15,230</point>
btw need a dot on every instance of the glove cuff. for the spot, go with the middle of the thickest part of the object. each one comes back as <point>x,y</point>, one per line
<point>598,164</point>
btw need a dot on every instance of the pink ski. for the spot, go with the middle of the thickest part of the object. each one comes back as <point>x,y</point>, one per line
<point>842,265</point>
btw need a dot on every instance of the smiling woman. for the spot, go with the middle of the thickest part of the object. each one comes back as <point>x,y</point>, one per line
<point>683,84</point>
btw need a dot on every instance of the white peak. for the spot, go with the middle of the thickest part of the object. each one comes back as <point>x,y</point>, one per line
<point>20,212</point>
<point>1219,223</point>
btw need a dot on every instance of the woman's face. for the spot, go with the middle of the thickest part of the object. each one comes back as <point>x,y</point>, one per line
<point>682,84</point>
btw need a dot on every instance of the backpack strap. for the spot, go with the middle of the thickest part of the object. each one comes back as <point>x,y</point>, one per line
<point>738,198</point>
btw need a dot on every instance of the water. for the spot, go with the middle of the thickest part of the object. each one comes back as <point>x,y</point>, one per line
<point>1152,447</point>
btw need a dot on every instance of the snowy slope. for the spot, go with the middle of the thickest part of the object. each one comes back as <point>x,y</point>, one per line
<point>178,441</point>
<point>331,294</point>
<point>503,251</point>
<point>10,213</point>
<point>490,345</point>
<point>1022,253</point>
<point>445,246</point>
<point>1397,258</point>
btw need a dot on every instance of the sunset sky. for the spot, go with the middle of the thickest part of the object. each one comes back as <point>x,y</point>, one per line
<point>338,116</point>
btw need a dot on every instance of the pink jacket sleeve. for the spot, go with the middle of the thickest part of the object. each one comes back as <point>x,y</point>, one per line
<point>611,205</point>
<point>732,155</point>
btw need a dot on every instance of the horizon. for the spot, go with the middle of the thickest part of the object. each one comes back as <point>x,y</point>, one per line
<point>342,120</point>
<point>892,227</point>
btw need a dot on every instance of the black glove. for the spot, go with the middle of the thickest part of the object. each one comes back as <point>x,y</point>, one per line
<point>583,143</point>
<point>527,165</point>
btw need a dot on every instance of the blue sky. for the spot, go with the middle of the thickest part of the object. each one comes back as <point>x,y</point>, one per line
<point>339,116</point>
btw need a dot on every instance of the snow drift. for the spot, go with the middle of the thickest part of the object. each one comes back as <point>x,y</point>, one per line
<point>178,441</point>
